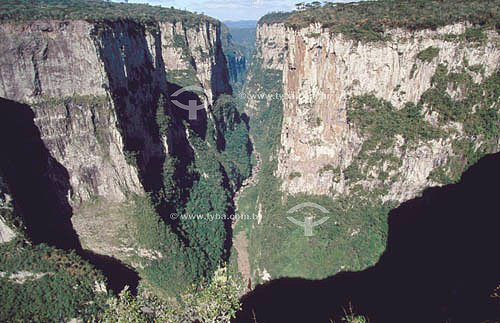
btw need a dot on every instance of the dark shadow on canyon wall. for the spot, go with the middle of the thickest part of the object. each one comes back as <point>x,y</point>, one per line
<point>441,264</point>
<point>40,186</point>
<point>38,182</point>
<point>137,81</point>
<point>117,273</point>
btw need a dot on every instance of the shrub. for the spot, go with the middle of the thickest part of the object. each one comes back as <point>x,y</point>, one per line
<point>214,301</point>
<point>475,34</point>
<point>428,54</point>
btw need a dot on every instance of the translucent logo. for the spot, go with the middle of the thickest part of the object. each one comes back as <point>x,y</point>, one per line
<point>192,105</point>
<point>308,223</point>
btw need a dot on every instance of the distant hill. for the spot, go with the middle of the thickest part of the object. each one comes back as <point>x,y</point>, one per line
<point>241,24</point>
<point>244,37</point>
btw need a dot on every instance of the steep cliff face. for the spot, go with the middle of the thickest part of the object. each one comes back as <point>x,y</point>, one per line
<point>94,89</point>
<point>235,56</point>
<point>97,107</point>
<point>323,73</point>
<point>237,66</point>
<point>270,45</point>
<point>357,127</point>
<point>270,49</point>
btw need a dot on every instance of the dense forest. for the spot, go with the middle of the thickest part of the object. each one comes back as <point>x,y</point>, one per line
<point>93,10</point>
<point>193,248</point>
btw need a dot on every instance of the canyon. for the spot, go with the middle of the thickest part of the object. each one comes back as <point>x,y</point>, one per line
<point>99,156</point>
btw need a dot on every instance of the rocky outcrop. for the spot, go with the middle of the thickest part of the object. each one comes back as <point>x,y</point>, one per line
<point>235,56</point>
<point>361,126</point>
<point>271,46</point>
<point>94,88</point>
<point>267,65</point>
<point>237,66</point>
<point>323,71</point>
<point>6,210</point>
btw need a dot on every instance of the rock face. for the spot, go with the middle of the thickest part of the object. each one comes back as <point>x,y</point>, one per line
<point>357,128</point>
<point>235,56</point>
<point>322,72</point>
<point>270,49</point>
<point>271,45</point>
<point>237,65</point>
<point>6,209</point>
<point>94,88</point>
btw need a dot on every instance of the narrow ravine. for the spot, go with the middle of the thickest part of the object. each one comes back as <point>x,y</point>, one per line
<point>240,240</point>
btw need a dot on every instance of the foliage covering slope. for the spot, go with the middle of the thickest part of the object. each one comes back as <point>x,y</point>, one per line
<point>93,10</point>
<point>368,20</point>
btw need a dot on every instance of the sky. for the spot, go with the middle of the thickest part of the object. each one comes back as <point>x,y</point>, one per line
<point>228,9</point>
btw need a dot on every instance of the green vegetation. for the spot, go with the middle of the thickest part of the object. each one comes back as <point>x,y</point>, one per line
<point>180,42</point>
<point>475,34</point>
<point>380,122</point>
<point>171,273</point>
<point>191,249</point>
<point>330,168</point>
<point>233,131</point>
<point>247,204</point>
<point>58,285</point>
<point>274,18</point>
<point>351,239</point>
<point>194,245</point>
<point>478,111</point>
<point>131,157</point>
<point>355,234</point>
<point>215,301</point>
<point>7,212</point>
<point>95,11</point>
<point>294,175</point>
<point>183,78</point>
<point>368,20</point>
<point>428,54</point>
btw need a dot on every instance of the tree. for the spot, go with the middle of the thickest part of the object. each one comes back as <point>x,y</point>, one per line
<point>300,6</point>
<point>316,4</point>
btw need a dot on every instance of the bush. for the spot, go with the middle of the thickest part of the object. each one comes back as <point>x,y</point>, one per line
<point>274,18</point>
<point>475,34</point>
<point>428,54</point>
<point>215,301</point>
<point>64,289</point>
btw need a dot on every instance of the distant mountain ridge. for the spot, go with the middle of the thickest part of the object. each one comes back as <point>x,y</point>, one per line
<point>238,39</point>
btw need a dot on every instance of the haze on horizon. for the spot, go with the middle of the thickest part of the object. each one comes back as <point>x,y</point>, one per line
<point>225,10</point>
